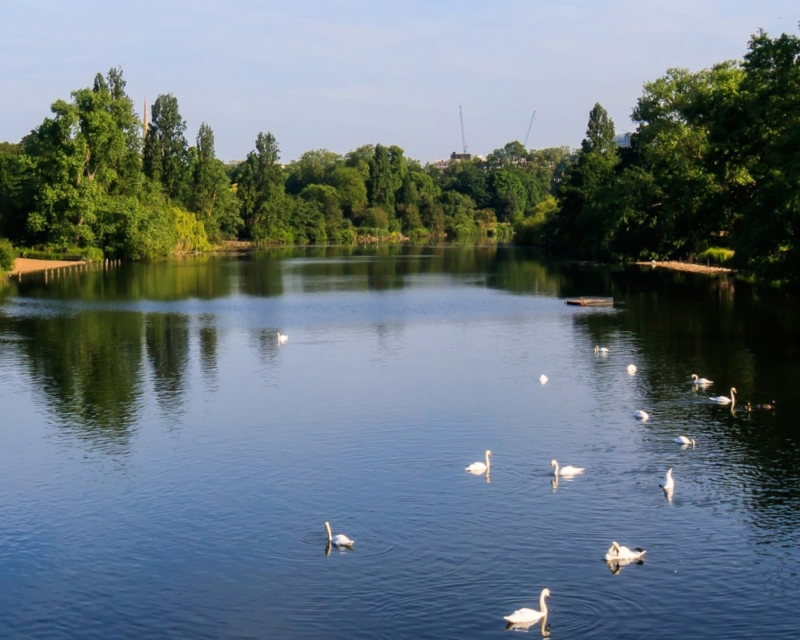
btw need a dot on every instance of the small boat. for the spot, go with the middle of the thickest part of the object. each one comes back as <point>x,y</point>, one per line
<point>590,302</point>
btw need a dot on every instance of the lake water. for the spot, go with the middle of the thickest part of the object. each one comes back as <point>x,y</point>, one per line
<point>167,467</point>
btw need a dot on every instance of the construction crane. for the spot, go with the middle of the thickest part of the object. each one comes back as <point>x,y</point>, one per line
<point>530,126</point>
<point>463,138</point>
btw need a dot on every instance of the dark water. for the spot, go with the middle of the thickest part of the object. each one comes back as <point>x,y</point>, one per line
<point>167,467</point>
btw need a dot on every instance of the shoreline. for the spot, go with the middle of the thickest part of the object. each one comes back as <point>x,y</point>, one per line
<point>29,265</point>
<point>684,266</point>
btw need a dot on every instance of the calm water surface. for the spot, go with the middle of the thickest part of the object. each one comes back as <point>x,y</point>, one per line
<point>167,467</point>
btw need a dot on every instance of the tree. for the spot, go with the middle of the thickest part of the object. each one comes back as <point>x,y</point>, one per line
<point>86,153</point>
<point>578,227</point>
<point>352,190</point>
<point>381,185</point>
<point>210,195</point>
<point>762,143</point>
<point>263,201</point>
<point>165,155</point>
<point>313,167</point>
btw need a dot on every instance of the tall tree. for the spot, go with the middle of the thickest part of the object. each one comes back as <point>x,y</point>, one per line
<point>578,228</point>
<point>86,153</point>
<point>165,156</point>
<point>263,200</point>
<point>210,195</point>
<point>381,184</point>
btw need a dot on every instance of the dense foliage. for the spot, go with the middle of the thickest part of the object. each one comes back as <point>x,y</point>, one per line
<point>713,166</point>
<point>91,177</point>
<point>712,170</point>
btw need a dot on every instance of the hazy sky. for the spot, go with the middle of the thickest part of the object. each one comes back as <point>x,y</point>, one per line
<point>337,74</point>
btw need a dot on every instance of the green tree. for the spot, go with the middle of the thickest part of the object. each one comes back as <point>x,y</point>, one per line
<point>578,227</point>
<point>210,195</point>
<point>351,189</point>
<point>263,201</point>
<point>313,167</point>
<point>165,156</point>
<point>327,203</point>
<point>381,184</point>
<point>85,153</point>
<point>762,139</point>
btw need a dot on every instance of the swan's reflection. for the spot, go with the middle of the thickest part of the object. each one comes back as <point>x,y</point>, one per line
<point>554,483</point>
<point>488,478</point>
<point>615,566</point>
<point>328,547</point>
<point>544,626</point>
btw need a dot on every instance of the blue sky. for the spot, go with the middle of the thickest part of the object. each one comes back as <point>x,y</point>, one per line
<point>337,74</point>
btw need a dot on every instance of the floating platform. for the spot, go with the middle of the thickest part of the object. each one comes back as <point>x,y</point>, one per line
<point>591,302</point>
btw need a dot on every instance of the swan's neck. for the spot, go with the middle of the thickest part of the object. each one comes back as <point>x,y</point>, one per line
<point>488,464</point>
<point>555,473</point>
<point>330,535</point>
<point>543,604</point>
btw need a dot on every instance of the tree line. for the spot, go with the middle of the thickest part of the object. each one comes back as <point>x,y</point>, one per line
<point>92,179</point>
<point>712,171</point>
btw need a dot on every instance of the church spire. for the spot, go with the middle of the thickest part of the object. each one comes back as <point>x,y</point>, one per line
<point>146,119</point>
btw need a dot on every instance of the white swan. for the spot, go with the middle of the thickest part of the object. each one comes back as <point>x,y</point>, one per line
<point>641,415</point>
<point>601,350</point>
<point>725,399</point>
<point>339,540</point>
<point>479,468</point>
<point>700,381</point>
<point>669,483</point>
<point>567,471</point>
<point>529,616</point>
<point>621,553</point>
<point>684,440</point>
<point>631,369</point>
<point>282,338</point>
<point>543,379</point>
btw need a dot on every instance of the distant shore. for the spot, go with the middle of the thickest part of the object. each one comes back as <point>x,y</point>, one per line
<point>27,265</point>
<point>685,266</point>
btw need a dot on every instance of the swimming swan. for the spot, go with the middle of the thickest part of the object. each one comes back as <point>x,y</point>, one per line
<point>282,338</point>
<point>566,471</point>
<point>529,616</point>
<point>631,369</point>
<point>601,350</point>
<point>669,483</point>
<point>620,553</point>
<point>725,399</point>
<point>684,440</point>
<point>641,415</point>
<point>339,540</point>
<point>543,379</point>
<point>479,468</point>
<point>700,381</point>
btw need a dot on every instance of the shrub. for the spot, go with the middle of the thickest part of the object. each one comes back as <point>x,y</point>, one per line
<point>716,255</point>
<point>7,255</point>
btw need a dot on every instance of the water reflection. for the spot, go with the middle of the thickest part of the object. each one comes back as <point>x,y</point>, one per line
<point>544,626</point>
<point>87,357</point>
<point>167,348</point>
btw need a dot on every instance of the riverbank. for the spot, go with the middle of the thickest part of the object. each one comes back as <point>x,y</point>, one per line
<point>685,266</point>
<point>29,265</point>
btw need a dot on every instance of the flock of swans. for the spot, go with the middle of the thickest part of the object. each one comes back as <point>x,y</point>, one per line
<point>617,555</point>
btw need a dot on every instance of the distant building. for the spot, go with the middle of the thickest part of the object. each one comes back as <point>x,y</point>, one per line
<point>623,140</point>
<point>454,157</point>
<point>460,156</point>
